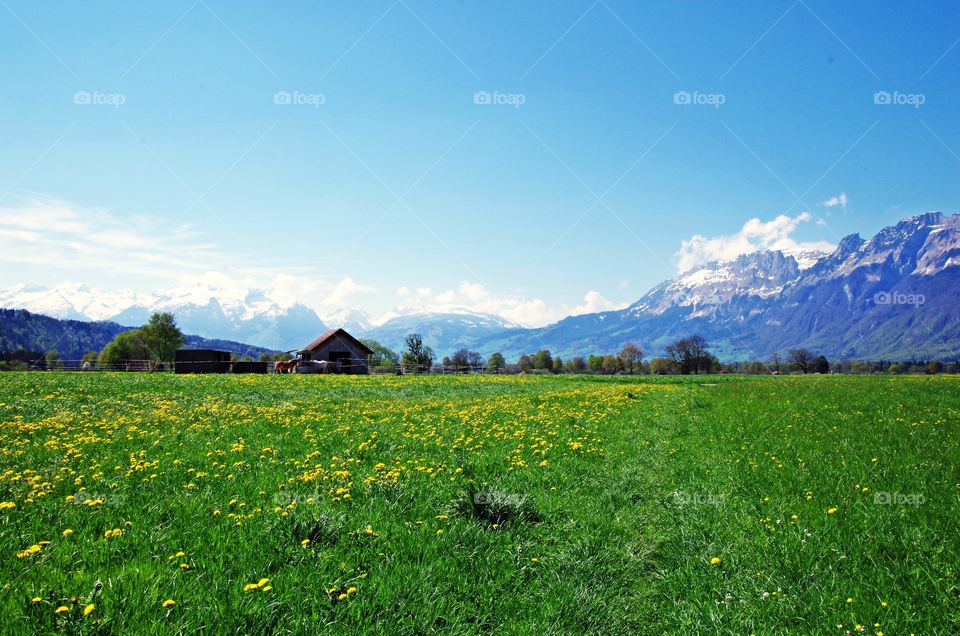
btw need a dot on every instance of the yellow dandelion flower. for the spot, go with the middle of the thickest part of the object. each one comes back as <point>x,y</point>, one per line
<point>61,609</point>
<point>184,566</point>
<point>267,588</point>
<point>250,586</point>
<point>849,600</point>
<point>36,599</point>
<point>715,561</point>
<point>341,597</point>
<point>262,582</point>
<point>305,542</point>
<point>351,590</point>
<point>169,602</point>
<point>831,511</point>
<point>67,532</point>
<point>89,608</point>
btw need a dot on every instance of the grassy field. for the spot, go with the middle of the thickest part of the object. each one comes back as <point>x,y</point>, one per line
<point>136,503</point>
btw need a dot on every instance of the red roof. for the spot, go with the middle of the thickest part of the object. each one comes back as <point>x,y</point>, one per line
<point>319,341</point>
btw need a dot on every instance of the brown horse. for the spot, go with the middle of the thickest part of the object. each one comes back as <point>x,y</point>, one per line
<point>285,366</point>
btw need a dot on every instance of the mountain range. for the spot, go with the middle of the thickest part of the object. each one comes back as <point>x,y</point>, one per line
<point>895,295</point>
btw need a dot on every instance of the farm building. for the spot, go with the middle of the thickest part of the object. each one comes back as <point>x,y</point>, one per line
<point>340,348</point>
<point>201,361</point>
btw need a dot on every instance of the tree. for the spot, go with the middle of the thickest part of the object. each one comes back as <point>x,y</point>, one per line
<point>820,365</point>
<point>934,367</point>
<point>162,336</point>
<point>691,355</point>
<point>496,362</point>
<point>576,365</point>
<point>91,357</point>
<point>543,360</point>
<point>52,360</point>
<point>265,357</point>
<point>475,360</point>
<point>611,364</point>
<point>775,359</point>
<point>382,356</point>
<point>525,363</point>
<point>557,365</point>
<point>417,356</point>
<point>803,358</point>
<point>595,363</point>
<point>460,360</point>
<point>126,346</point>
<point>631,357</point>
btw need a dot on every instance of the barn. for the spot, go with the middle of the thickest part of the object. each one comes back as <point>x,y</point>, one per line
<point>340,348</point>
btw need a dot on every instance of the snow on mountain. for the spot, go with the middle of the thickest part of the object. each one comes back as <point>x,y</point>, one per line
<point>353,320</point>
<point>72,301</point>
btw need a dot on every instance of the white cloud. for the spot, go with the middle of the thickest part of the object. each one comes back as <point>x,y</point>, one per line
<point>755,235</point>
<point>840,199</point>
<point>594,302</point>
<point>475,297</point>
<point>47,232</point>
<point>344,290</point>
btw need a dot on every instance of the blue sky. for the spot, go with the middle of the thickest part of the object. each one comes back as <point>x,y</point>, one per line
<point>148,146</point>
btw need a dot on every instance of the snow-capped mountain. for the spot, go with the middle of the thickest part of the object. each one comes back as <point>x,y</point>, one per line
<point>252,316</point>
<point>70,301</point>
<point>896,295</point>
<point>445,330</point>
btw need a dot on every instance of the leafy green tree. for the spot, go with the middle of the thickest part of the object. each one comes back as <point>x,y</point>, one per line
<point>52,359</point>
<point>595,363</point>
<point>162,336</point>
<point>126,346</point>
<point>496,363</point>
<point>543,360</point>
<point>557,365</point>
<point>663,366</point>
<point>382,356</point>
<point>611,364</point>
<point>91,357</point>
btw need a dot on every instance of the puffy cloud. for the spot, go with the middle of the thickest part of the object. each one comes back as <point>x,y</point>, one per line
<point>476,297</point>
<point>594,302</point>
<point>840,199</point>
<point>755,235</point>
<point>344,290</point>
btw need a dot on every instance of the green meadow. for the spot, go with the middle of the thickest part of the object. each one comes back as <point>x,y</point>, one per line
<point>305,504</point>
